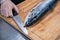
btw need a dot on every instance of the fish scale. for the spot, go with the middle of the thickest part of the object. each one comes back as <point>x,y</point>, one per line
<point>38,11</point>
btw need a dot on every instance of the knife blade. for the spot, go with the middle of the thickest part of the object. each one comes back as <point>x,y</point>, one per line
<point>19,22</point>
<point>38,12</point>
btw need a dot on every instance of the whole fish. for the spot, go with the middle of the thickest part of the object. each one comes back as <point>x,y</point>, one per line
<point>38,11</point>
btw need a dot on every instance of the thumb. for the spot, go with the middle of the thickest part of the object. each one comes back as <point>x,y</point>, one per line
<point>16,9</point>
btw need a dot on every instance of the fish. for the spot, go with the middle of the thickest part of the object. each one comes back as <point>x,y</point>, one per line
<point>38,12</point>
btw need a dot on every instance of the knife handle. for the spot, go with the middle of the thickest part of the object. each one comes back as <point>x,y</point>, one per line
<point>14,12</point>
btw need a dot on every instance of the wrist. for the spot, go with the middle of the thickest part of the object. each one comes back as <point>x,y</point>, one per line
<point>2,1</point>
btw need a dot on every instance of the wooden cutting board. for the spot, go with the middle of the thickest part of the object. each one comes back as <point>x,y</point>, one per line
<point>47,28</point>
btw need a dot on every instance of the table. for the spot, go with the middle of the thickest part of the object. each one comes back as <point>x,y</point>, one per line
<point>47,28</point>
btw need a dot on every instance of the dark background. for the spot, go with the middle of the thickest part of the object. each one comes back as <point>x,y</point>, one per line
<point>17,1</point>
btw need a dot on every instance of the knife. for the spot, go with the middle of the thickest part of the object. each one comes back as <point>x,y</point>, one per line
<point>8,32</point>
<point>38,12</point>
<point>19,22</point>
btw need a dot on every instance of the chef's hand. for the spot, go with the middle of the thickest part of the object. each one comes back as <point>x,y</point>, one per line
<point>6,8</point>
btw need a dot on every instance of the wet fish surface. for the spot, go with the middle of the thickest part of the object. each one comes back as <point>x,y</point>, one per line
<point>38,12</point>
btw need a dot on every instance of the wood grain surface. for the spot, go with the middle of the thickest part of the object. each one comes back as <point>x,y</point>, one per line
<point>46,28</point>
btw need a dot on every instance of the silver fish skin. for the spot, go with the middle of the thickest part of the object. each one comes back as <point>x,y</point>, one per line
<point>38,11</point>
